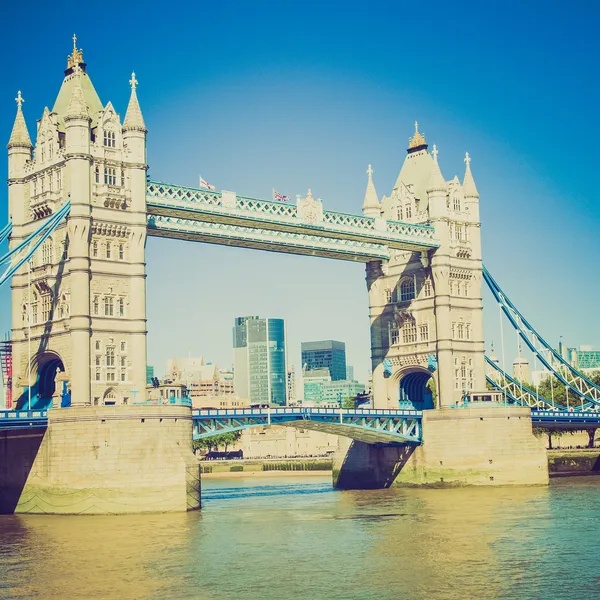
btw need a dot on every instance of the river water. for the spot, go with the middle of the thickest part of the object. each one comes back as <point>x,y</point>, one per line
<point>297,538</point>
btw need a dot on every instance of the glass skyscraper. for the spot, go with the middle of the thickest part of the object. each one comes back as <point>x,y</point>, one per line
<point>326,354</point>
<point>259,360</point>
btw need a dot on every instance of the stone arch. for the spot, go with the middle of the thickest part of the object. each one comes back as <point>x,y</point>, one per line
<point>111,397</point>
<point>45,366</point>
<point>409,387</point>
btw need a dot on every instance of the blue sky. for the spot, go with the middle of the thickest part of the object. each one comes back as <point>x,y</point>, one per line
<point>297,95</point>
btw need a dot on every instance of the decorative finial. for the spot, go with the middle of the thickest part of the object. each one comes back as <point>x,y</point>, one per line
<point>76,57</point>
<point>435,152</point>
<point>369,170</point>
<point>467,159</point>
<point>19,99</point>
<point>133,81</point>
<point>309,195</point>
<point>418,140</point>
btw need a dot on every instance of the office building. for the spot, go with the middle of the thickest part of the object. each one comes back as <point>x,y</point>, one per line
<point>326,354</point>
<point>259,360</point>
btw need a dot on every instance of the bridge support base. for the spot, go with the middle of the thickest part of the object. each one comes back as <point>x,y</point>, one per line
<point>490,446</point>
<point>102,460</point>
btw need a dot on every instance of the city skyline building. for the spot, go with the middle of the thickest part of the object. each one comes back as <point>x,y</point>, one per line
<point>260,360</point>
<point>325,354</point>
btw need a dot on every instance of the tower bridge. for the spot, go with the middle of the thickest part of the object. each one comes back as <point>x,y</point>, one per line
<point>80,210</point>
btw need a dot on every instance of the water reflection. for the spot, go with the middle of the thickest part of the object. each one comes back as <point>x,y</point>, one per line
<point>289,538</point>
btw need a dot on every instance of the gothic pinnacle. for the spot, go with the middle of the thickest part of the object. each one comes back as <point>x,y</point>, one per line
<point>469,186</point>
<point>436,179</point>
<point>371,206</point>
<point>133,118</point>
<point>19,137</point>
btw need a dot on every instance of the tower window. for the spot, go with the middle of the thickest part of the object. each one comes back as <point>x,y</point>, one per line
<point>409,332</point>
<point>97,174</point>
<point>109,306</point>
<point>108,249</point>
<point>96,311</point>
<point>94,248</point>
<point>46,307</point>
<point>58,180</point>
<point>407,290</point>
<point>456,203</point>
<point>121,251</point>
<point>427,289</point>
<point>97,345</point>
<point>110,140</point>
<point>408,211</point>
<point>122,177</point>
<point>110,356</point>
<point>394,334</point>
<point>123,346</point>
<point>121,307</point>
<point>424,332</point>
<point>110,177</point>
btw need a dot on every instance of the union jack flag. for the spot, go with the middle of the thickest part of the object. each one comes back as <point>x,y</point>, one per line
<point>280,197</point>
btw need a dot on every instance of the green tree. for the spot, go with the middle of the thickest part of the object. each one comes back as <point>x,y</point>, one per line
<point>221,440</point>
<point>349,402</point>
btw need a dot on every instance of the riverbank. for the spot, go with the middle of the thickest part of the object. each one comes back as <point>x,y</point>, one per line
<point>221,469</point>
<point>561,463</point>
<point>584,461</point>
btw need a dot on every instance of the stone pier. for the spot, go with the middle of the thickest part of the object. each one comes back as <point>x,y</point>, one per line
<point>461,447</point>
<point>102,460</point>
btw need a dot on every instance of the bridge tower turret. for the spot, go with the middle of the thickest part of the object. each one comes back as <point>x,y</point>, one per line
<point>84,298</point>
<point>426,309</point>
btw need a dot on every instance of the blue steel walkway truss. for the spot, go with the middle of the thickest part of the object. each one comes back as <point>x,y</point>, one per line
<point>365,425</point>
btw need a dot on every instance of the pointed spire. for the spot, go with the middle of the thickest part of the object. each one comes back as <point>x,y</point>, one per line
<point>436,179</point>
<point>469,187</point>
<point>133,118</point>
<point>371,206</point>
<point>77,108</point>
<point>19,137</point>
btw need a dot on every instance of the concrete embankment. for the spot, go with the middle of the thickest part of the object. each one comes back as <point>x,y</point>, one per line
<point>562,463</point>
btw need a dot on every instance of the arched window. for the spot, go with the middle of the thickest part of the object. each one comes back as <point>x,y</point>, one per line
<point>407,290</point>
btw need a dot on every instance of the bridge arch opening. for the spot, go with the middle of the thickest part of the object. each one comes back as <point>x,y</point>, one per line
<point>413,389</point>
<point>44,369</point>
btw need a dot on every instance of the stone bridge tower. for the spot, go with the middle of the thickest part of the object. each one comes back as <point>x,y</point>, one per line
<point>426,308</point>
<point>78,309</point>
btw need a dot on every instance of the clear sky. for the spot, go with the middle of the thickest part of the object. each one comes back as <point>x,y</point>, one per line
<point>255,95</point>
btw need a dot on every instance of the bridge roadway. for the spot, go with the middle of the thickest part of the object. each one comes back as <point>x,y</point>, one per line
<point>372,426</point>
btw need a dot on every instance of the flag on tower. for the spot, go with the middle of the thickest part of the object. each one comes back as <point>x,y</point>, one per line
<point>205,184</point>
<point>280,197</point>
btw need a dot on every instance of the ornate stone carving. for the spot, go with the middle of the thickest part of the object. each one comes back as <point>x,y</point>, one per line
<point>309,209</point>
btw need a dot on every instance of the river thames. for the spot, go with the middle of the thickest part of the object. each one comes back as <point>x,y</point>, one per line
<point>296,537</point>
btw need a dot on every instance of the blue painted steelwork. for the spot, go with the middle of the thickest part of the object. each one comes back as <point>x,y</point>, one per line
<point>576,382</point>
<point>184,401</point>
<point>23,419</point>
<point>518,393</point>
<point>19,255</point>
<point>369,425</point>
<point>6,231</point>
<point>566,419</point>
